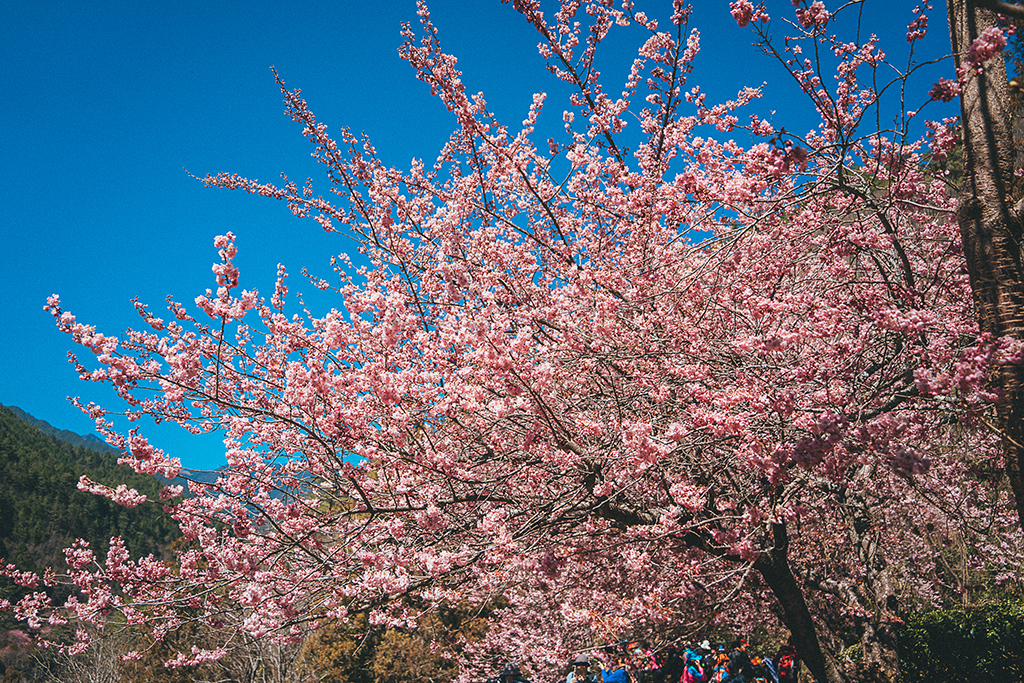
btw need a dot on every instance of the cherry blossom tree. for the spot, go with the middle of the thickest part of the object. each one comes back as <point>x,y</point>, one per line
<point>639,379</point>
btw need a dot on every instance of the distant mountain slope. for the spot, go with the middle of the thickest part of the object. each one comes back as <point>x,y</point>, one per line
<point>95,443</point>
<point>41,509</point>
<point>89,440</point>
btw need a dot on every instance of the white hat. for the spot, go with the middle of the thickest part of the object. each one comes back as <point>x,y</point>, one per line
<point>705,645</point>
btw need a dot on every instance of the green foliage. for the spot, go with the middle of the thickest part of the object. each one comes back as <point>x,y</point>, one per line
<point>355,652</point>
<point>342,652</point>
<point>956,646</point>
<point>409,657</point>
<point>42,511</point>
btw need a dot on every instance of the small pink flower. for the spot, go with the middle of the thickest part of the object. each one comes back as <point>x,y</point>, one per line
<point>945,90</point>
<point>918,28</point>
<point>988,44</point>
<point>798,156</point>
<point>168,492</point>
<point>742,11</point>
<point>815,15</point>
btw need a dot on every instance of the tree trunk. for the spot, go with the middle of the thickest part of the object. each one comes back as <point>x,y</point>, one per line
<point>989,225</point>
<point>773,565</point>
<point>878,634</point>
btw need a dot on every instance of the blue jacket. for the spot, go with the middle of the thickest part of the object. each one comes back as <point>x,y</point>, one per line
<point>617,676</point>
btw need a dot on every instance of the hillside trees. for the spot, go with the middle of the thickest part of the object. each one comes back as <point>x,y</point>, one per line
<point>675,362</point>
<point>41,510</point>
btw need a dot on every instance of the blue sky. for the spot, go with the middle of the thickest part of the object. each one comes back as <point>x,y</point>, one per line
<point>106,104</point>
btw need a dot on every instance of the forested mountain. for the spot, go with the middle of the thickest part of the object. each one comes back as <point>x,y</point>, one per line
<point>88,440</point>
<point>41,509</point>
<point>42,512</point>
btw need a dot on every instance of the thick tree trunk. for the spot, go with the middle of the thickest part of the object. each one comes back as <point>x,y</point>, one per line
<point>989,225</point>
<point>773,565</point>
<point>878,634</point>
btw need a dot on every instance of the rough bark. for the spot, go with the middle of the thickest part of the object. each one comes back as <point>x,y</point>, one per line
<point>989,223</point>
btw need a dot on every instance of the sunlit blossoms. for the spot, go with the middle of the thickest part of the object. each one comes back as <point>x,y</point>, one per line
<point>991,41</point>
<point>742,11</point>
<point>733,366</point>
<point>813,15</point>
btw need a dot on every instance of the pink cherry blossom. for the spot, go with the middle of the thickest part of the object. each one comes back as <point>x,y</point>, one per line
<point>742,11</point>
<point>643,373</point>
<point>945,90</point>
<point>814,15</point>
<point>991,41</point>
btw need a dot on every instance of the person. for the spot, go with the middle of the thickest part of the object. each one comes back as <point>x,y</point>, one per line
<point>619,674</point>
<point>787,664</point>
<point>671,669</point>
<point>509,674</point>
<point>740,670</point>
<point>693,667</point>
<point>580,672</point>
<point>719,663</point>
<point>759,669</point>
<point>642,661</point>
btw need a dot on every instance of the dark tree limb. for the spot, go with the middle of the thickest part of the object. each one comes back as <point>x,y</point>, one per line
<point>1007,8</point>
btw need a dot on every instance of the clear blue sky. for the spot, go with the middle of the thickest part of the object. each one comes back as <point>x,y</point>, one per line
<point>105,104</point>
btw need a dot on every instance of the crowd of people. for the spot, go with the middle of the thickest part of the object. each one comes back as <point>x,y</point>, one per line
<point>692,663</point>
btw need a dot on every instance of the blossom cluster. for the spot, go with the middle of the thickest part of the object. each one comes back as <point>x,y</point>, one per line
<point>647,347</point>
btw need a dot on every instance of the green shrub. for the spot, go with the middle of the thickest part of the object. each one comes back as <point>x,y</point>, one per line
<point>956,646</point>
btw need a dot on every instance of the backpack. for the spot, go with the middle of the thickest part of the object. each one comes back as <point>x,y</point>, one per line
<point>785,665</point>
<point>693,665</point>
<point>759,669</point>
